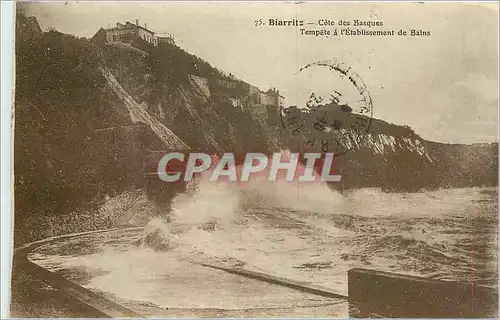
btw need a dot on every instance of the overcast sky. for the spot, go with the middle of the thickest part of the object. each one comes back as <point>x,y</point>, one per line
<point>444,86</point>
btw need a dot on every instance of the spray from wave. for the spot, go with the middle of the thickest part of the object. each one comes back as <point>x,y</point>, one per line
<point>210,207</point>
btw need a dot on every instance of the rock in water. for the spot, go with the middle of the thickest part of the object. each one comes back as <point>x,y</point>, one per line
<point>158,241</point>
<point>158,236</point>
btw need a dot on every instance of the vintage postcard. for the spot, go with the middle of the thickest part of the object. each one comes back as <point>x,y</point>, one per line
<point>255,159</point>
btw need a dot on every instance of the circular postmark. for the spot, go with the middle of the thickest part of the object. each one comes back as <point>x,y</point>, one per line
<point>329,118</point>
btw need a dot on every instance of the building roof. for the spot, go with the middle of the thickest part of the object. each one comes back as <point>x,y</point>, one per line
<point>128,25</point>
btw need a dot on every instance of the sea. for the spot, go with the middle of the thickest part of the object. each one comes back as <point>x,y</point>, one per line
<point>304,232</point>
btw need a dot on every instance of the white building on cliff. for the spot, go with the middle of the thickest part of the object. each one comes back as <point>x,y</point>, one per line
<point>124,32</point>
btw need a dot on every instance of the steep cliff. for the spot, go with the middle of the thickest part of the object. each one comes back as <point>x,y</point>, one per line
<point>74,141</point>
<point>87,116</point>
<point>374,153</point>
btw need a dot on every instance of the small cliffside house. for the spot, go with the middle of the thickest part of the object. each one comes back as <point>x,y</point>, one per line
<point>261,101</point>
<point>166,39</point>
<point>124,32</point>
<point>271,97</point>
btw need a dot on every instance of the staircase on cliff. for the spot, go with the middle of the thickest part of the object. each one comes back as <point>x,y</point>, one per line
<point>139,114</point>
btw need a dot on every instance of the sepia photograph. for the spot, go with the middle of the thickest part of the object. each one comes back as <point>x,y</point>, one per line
<point>254,160</point>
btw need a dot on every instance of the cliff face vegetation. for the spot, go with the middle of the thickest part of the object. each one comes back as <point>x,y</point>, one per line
<point>166,80</point>
<point>76,143</point>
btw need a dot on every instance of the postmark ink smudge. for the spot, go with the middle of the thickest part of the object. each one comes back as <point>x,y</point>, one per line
<point>327,123</point>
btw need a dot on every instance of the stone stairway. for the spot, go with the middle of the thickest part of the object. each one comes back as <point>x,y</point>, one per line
<point>139,114</point>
